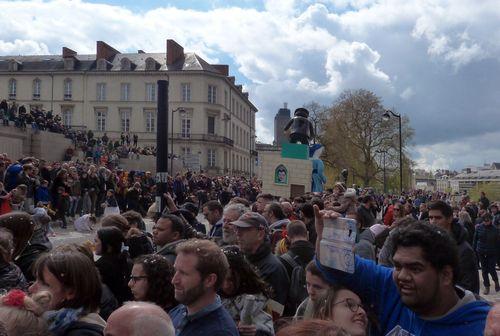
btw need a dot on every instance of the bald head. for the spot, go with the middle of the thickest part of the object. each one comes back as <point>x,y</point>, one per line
<point>138,319</point>
<point>493,322</point>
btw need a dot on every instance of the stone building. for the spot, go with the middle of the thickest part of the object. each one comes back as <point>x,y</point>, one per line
<point>112,92</point>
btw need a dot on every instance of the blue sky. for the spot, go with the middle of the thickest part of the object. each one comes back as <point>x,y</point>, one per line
<point>435,61</point>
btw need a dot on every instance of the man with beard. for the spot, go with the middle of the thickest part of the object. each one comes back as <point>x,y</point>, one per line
<point>200,269</point>
<point>231,213</point>
<point>419,295</point>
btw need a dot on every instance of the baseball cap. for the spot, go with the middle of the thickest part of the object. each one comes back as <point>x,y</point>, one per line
<point>251,219</point>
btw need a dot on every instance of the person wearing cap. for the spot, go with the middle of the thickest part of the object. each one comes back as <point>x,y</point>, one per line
<point>366,248</point>
<point>251,231</point>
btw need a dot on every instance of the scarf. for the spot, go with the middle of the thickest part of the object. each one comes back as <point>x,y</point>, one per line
<point>60,320</point>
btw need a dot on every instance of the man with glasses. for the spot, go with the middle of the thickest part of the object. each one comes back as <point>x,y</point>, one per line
<point>441,214</point>
<point>419,295</point>
<point>251,231</point>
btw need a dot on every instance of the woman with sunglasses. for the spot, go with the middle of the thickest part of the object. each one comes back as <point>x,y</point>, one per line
<point>344,308</point>
<point>150,281</point>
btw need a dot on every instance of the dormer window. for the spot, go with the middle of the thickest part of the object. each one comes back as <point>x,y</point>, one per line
<point>150,64</point>
<point>13,65</point>
<point>125,64</point>
<point>69,63</point>
<point>102,64</point>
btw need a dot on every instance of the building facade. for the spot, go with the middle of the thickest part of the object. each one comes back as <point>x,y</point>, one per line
<point>110,92</point>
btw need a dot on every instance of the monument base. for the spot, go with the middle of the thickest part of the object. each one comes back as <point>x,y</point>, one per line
<point>285,176</point>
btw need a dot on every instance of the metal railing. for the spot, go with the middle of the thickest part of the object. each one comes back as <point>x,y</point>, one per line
<point>202,137</point>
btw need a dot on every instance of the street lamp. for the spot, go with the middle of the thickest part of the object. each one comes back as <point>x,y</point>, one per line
<point>383,152</point>
<point>386,116</point>
<point>181,111</point>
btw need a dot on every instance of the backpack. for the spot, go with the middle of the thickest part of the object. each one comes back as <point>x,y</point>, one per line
<point>298,289</point>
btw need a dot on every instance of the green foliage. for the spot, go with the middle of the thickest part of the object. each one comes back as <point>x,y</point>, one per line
<point>491,189</point>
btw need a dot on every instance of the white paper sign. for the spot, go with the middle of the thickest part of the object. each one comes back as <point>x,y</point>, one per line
<point>337,244</point>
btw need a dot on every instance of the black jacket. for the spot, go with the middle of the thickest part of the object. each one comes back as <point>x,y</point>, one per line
<point>11,277</point>
<point>304,250</point>
<point>468,277</point>
<point>115,272</point>
<point>272,271</point>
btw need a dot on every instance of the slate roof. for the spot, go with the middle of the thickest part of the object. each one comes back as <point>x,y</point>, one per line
<point>50,63</point>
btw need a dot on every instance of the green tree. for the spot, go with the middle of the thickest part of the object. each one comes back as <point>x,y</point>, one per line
<point>355,135</point>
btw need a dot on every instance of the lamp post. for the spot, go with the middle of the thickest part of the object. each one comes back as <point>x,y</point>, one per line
<point>383,152</point>
<point>181,112</point>
<point>386,116</point>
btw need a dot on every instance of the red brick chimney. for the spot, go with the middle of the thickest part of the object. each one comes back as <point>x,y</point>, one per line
<point>175,52</point>
<point>222,68</point>
<point>104,50</point>
<point>67,52</point>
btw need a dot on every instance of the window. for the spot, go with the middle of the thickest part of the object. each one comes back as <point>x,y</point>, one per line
<point>125,64</point>
<point>212,94</point>
<point>185,127</point>
<point>186,92</point>
<point>68,89</point>
<point>100,119</point>
<point>102,64</point>
<point>12,88</point>
<point>211,157</point>
<point>125,119</point>
<point>101,91</point>
<point>151,92</point>
<point>211,125</point>
<point>150,64</point>
<point>225,98</point>
<point>150,120</point>
<point>125,92</point>
<point>37,85</point>
<point>186,151</point>
<point>67,116</point>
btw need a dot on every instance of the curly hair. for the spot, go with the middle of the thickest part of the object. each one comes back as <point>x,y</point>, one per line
<point>245,277</point>
<point>160,273</point>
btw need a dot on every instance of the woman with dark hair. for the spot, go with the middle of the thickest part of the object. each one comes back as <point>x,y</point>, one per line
<point>241,285</point>
<point>307,214</point>
<point>10,275</point>
<point>75,289</point>
<point>113,265</point>
<point>150,281</point>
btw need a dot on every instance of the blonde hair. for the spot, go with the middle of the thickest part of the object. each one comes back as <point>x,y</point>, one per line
<point>26,320</point>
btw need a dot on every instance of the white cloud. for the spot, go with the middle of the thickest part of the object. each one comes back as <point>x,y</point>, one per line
<point>298,51</point>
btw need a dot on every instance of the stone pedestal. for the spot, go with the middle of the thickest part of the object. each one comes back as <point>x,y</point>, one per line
<point>286,176</point>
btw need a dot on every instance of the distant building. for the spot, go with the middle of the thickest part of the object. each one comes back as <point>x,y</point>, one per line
<point>280,121</point>
<point>470,177</point>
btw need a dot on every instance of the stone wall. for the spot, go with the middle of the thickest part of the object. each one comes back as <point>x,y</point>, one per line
<point>146,163</point>
<point>299,173</point>
<point>14,142</point>
<point>49,146</point>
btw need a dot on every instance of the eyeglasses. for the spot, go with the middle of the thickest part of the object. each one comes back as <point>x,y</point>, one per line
<point>351,304</point>
<point>134,279</point>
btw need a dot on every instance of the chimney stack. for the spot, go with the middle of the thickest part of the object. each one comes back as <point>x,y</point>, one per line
<point>67,52</point>
<point>105,51</point>
<point>285,105</point>
<point>175,52</point>
<point>222,68</point>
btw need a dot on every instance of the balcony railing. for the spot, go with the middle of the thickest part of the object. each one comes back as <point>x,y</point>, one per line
<point>203,137</point>
<point>12,96</point>
<point>67,96</point>
<point>36,96</point>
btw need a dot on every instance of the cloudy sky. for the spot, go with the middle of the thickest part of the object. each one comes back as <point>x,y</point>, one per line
<point>435,61</point>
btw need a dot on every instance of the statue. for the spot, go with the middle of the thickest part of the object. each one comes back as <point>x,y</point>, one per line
<point>318,177</point>
<point>302,128</point>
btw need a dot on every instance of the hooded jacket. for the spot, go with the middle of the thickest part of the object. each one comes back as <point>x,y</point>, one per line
<point>375,286</point>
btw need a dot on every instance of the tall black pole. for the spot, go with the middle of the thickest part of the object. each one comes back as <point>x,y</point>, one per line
<point>400,157</point>
<point>172,144</point>
<point>162,144</point>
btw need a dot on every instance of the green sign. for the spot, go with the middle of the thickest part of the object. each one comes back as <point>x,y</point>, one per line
<point>295,151</point>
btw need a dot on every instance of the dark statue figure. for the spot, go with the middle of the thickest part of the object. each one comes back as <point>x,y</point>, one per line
<point>301,127</point>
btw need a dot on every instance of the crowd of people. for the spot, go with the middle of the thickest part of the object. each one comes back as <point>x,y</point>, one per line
<point>224,258</point>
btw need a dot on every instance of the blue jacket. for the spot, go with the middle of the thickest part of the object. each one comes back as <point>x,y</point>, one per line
<point>42,195</point>
<point>486,239</point>
<point>213,320</point>
<point>374,284</point>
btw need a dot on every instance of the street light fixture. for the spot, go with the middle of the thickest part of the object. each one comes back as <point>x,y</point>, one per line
<point>386,116</point>
<point>181,111</point>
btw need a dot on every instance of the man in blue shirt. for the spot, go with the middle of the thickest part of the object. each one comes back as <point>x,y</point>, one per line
<point>419,296</point>
<point>200,268</point>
